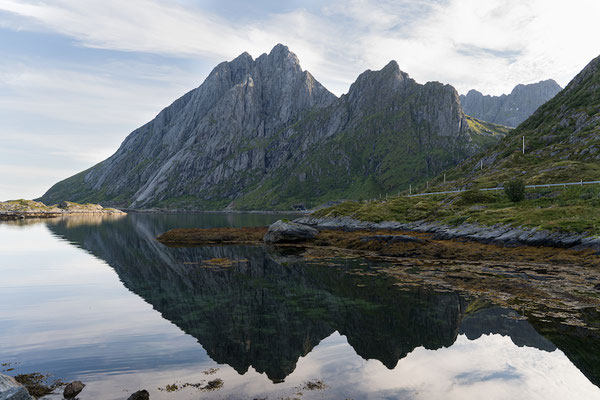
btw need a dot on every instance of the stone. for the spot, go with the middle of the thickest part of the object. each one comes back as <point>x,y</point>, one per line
<point>289,232</point>
<point>73,389</point>
<point>140,395</point>
<point>10,389</point>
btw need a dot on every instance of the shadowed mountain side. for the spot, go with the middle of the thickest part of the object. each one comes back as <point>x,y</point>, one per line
<point>250,306</point>
<point>511,109</point>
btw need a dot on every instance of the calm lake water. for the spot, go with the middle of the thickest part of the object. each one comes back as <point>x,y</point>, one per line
<point>101,301</point>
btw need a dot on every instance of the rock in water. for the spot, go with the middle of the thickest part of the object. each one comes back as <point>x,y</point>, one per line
<point>140,395</point>
<point>12,390</point>
<point>73,389</point>
<point>289,232</point>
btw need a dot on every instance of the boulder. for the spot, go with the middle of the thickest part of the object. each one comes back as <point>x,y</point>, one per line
<point>73,389</point>
<point>140,395</point>
<point>12,390</point>
<point>289,232</point>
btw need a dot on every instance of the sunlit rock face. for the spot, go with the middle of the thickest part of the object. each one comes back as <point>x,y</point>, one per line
<point>263,134</point>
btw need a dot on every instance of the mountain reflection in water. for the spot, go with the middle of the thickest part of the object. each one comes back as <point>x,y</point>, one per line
<point>263,309</point>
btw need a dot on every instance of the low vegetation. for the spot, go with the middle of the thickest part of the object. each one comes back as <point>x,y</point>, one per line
<point>570,209</point>
<point>515,190</point>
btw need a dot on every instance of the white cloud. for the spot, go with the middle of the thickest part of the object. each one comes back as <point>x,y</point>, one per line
<point>487,45</point>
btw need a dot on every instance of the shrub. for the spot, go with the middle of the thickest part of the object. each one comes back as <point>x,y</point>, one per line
<point>515,190</point>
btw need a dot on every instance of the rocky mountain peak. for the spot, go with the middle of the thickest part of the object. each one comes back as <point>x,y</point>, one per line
<point>373,85</point>
<point>512,109</point>
<point>262,133</point>
<point>280,57</point>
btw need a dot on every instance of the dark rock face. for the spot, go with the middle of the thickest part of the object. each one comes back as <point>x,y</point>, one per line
<point>140,395</point>
<point>263,134</point>
<point>12,390</point>
<point>287,232</point>
<point>512,109</point>
<point>73,389</point>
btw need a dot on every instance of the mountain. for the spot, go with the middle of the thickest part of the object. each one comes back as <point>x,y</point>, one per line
<point>562,141</point>
<point>264,133</point>
<point>509,110</point>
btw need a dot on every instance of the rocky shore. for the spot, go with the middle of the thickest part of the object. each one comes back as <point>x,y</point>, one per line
<point>24,209</point>
<point>498,234</point>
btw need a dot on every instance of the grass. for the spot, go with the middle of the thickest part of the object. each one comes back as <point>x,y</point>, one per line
<point>571,209</point>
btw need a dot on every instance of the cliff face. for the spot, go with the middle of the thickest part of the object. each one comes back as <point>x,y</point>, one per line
<point>512,109</point>
<point>265,134</point>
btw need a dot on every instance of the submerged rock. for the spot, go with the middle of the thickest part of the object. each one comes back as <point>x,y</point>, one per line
<point>140,395</point>
<point>73,389</point>
<point>289,232</point>
<point>12,390</point>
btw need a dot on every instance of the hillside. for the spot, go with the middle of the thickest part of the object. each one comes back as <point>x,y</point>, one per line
<point>509,109</point>
<point>264,134</point>
<point>562,142</point>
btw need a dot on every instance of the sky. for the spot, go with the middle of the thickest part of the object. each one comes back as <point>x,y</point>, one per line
<point>77,76</point>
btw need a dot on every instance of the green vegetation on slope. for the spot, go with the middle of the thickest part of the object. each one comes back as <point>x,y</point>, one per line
<point>568,209</point>
<point>562,143</point>
<point>384,154</point>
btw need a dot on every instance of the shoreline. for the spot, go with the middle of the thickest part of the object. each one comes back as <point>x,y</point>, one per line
<point>16,216</point>
<point>175,211</point>
<point>498,234</point>
<point>561,281</point>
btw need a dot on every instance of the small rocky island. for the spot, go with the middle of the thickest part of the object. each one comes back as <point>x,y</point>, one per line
<point>21,209</point>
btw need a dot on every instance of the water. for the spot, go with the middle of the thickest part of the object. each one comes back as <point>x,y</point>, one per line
<point>100,300</point>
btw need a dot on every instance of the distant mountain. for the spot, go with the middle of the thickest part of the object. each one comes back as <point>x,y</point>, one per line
<point>264,134</point>
<point>509,110</point>
<point>562,141</point>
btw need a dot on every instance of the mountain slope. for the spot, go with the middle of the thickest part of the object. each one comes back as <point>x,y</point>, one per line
<point>265,134</point>
<point>387,132</point>
<point>562,141</point>
<point>511,109</point>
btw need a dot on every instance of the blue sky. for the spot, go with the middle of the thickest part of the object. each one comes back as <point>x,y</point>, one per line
<point>76,76</point>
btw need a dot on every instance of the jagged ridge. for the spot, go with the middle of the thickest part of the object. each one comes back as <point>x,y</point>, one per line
<point>265,134</point>
<point>512,109</point>
<point>562,142</point>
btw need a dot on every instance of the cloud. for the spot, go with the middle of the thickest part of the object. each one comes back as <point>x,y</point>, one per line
<point>147,53</point>
<point>504,41</point>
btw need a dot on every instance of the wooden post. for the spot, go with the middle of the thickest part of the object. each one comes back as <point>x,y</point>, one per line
<point>523,144</point>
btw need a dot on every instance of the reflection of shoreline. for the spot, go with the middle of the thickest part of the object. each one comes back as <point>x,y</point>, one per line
<point>74,219</point>
<point>266,310</point>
